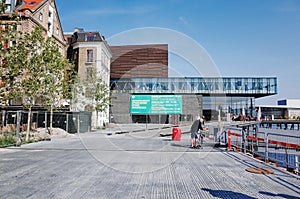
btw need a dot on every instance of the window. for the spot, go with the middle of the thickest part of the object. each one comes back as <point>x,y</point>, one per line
<point>5,45</point>
<point>89,72</point>
<point>90,37</point>
<point>57,30</point>
<point>89,57</point>
<point>41,16</point>
<point>49,27</point>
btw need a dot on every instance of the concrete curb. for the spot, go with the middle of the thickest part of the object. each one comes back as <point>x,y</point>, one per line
<point>149,129</point>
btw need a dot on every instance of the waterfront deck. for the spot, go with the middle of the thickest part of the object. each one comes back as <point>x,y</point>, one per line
<point>136,165</point>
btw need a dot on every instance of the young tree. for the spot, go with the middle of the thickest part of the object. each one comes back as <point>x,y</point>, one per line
<point>101,97</point>
<point>43,79</point>
<point>56,82</point>
<point>31,67</point>
<point>12,56</point>
<point>34,75</point>
<point>92,94</point>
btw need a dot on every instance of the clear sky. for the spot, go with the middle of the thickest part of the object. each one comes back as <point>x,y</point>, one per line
<point>248,38</point>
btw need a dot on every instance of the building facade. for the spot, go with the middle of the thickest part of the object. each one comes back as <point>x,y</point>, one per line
<point>32,14</point>
<point>141,72</point>
<point>136,61</point>
<point>293,107</point>
<point>139,61</point>
<point>285,109</point>
<point>91,55</point>
<point>38,13</point>
<point>206,96</point>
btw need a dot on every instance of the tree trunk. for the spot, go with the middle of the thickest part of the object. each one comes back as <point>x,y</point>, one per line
<point>3,118</point>
<point>28,125</point>
<point>51,118</point>
<point>97,118</point>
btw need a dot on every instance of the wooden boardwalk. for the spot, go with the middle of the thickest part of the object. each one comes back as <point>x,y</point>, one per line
<point>136,165</point>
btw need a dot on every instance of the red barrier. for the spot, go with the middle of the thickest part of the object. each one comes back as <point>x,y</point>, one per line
<point>229,140</point>
<point>295,146</point>
<point>255,138</point>
<point>235,134</point>
<point>285,144</point>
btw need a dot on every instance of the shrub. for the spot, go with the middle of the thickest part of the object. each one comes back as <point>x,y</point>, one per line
<point>7,140</point>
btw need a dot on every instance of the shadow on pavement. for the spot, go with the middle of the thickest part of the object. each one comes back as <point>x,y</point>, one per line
<point>278,195</point>
<point>227,194</point>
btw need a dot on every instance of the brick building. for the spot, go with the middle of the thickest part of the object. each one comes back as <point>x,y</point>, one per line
<point>38,13</point>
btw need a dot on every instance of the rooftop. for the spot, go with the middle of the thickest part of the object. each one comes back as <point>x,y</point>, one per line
<point>86,37</point>
<point>30,4</point>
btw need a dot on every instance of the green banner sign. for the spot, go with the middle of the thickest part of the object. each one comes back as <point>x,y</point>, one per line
<point>156,104</point>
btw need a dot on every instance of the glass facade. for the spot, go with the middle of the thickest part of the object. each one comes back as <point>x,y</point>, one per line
<point>235,105</point>
<point>255,87</point>
<point>227,96</point>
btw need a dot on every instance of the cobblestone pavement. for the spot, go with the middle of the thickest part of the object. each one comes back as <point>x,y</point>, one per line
<point>136,165</point>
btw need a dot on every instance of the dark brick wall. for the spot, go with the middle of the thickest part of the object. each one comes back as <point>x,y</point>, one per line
<point>119,109</point>
<point>192,106</point>
<point>136,61</point>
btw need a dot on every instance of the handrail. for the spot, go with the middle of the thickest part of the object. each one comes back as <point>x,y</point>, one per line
<point>243,139</point>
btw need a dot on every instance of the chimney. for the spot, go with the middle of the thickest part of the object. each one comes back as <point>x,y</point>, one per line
<point>78,29</point>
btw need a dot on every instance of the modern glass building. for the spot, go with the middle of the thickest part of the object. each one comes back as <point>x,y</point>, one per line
<point>233,86</point>
<point>234,95</point>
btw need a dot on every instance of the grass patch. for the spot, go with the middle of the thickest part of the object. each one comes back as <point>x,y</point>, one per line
<point>7,140</point>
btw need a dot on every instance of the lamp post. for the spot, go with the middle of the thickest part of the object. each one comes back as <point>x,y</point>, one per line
<point>219,108</point>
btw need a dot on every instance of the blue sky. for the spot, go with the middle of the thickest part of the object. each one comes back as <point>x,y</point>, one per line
<point>243,37</point>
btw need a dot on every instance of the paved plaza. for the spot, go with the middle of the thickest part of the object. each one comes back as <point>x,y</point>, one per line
<point>141,164</point>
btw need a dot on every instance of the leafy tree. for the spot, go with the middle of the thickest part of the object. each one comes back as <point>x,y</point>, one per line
<point>2,7</point>
<point>56,83</point>
<point>31,67</point>
<point>12,54</point>
<point>101,98</point>
<point>34,72</point>
<point>92,94</point>
<point>45,79</point>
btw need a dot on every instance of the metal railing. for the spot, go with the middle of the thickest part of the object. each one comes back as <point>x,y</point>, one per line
<point>71,122</point>
<point>280,147</point>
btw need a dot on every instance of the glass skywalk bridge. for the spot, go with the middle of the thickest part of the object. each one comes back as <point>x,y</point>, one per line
<point>229,86</point>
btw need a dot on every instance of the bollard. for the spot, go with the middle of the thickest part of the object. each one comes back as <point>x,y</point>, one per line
<point>176,134</point>
<point>267,148</point>
<point>297,163</point>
